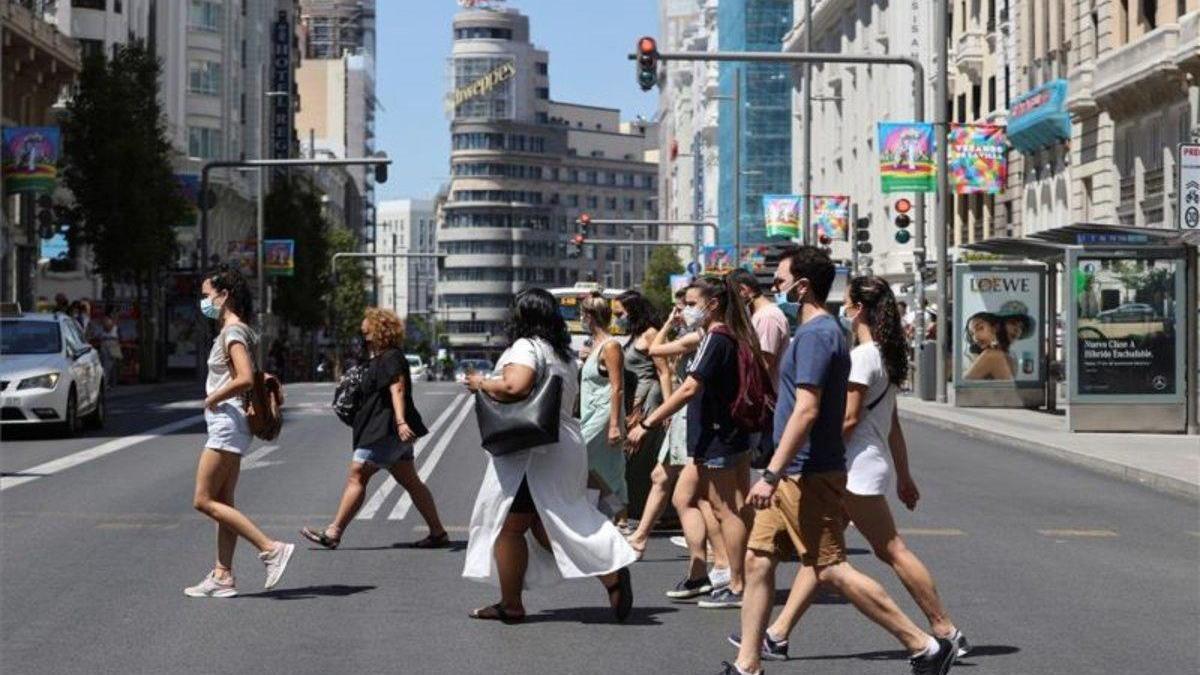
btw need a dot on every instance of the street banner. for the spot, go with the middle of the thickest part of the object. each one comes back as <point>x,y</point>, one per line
<point>1187,207</point>
<point>30,158</point>
<point>781,214</point>
<point>244,256</point>
<point>280,257</point>
<point>754,258</point>
<point>189,188</point>
<point>977,158</point>
<point>998,309</point>
<point>717,259</point>
<point>832,216</point>
<point>906,161</point>
<point>679,282</point>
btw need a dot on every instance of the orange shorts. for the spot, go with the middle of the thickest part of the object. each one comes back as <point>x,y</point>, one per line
<point>805,518</point>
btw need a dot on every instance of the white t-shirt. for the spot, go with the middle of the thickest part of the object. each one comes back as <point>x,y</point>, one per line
<point>868,458</point>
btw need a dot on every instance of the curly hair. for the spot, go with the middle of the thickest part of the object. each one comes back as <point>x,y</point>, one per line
<point>385,330</point>
<point>227,279</point>
<point>882,316</point>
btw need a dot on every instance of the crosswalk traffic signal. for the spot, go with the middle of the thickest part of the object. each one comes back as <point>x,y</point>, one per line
<point>575,250</point>
<point>862,234</point>
<point>902,221</point>
<point>647,63</point>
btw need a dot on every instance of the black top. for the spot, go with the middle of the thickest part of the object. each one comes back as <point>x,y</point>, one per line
<point>376,420</point>
<point>711,430</point>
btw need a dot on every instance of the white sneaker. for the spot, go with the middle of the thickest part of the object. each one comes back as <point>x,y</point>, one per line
<point>212,587</point>
<point>276,562</point>
<point>719,576</point>
<point>679,541</point>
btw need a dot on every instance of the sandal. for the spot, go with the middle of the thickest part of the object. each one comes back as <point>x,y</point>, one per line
<point>498,613</point>
<point>624,586</point>
<point>440,541</point>
<point>319,537</point>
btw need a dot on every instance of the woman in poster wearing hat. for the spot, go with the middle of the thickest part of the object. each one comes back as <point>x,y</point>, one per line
<point>988,336</point>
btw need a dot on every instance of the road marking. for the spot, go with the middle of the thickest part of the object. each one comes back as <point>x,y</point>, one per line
<point>61,464</point>
<point>405,503</point>
<point>1078,533</point>
<point>376,501</point>
<point>931,531</point>
<point>254,459</point>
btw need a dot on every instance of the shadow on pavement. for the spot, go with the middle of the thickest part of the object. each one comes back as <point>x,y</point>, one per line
<point>310,592</point>
<point>453,547</point>
<point>899,655</point>
<point>641,616</point>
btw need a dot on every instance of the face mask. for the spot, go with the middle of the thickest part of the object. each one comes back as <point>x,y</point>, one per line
<point>208,309</point>
<point>693,316</point>
<point>622,323</point>
<point>847,323</point>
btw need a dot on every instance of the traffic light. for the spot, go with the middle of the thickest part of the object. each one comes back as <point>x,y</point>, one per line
<point>862,234</point>
<point>381,170</point>
<point>902,221</point>
<point>647,63</point>
<point>585,224</point>
<point>576,248</point>
<point>45,217</point>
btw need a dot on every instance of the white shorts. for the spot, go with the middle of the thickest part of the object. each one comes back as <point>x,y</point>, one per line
<point>228,429</point>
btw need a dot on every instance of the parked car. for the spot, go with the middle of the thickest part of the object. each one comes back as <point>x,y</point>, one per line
<point>416,367</point>
<point>471,365</point>
<point>1130,312</point>
<point>49,375</point>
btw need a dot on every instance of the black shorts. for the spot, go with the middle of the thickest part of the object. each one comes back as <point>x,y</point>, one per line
<point>523,502</point>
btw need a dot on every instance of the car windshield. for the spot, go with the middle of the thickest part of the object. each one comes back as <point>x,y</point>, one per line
<point>30,337</point>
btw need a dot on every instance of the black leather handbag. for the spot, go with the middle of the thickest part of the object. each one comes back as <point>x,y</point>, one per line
<point>520,425</point>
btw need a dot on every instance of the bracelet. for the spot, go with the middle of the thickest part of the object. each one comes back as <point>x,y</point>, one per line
<point>644,426</point>
<point>401,423</point>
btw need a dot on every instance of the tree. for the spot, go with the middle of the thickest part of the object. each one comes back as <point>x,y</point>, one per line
<point>664,262</point>
<point>350,290</point>
<point>117,165</point>
<point>293,211</point>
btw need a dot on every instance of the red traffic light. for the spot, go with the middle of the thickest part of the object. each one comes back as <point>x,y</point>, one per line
<point>647,46</point>
<point>577,240</point>
<point>903,205</point>
<point>824,239</point>
<point>585,219</point>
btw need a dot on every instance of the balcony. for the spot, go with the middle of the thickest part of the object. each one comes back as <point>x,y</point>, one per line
<point>968,54</point>
<point>1140,75</point>
<point>1187,55</point>
<point>1080,101</point>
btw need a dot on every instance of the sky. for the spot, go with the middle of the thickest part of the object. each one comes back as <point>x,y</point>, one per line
<point>588,41</point>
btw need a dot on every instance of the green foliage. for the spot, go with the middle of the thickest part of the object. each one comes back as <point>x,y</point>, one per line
<point>117,166</point>
<point>664,262</point>
<point>293,211</point>
<point>419,334</point>
<point>350,294</point>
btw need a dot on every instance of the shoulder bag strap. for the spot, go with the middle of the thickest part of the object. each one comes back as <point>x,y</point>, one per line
<point>878,399</point>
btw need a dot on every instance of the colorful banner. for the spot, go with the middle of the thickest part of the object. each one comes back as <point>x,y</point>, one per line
<point>244,256</point>
<point>976,157</point>
<point>280,257</point>
<point>781,214</point>
<point>30,158</point>
<point>906,162</point>
<point>754,258</point>
<point>717,259</point>
<point>832,216</point>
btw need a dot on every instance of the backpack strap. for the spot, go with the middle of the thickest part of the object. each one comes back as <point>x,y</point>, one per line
<point>879,399</point>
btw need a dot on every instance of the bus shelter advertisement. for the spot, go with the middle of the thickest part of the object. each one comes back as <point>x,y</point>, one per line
<point>1127,341</point>
<point>1000,319</point>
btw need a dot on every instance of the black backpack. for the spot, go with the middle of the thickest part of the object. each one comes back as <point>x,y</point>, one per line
<point>348,396</point>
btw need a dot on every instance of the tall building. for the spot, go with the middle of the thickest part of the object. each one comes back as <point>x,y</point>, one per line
<point>523,168</point>
<point>407,286</point>
<point>754,25</point>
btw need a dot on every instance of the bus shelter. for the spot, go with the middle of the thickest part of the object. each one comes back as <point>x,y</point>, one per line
<point>1129,328</point>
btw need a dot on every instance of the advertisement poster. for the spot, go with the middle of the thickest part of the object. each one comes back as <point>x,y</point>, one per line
<point>906,162</point>
<point>832,216</point>
<point>999,310</point>
<point>717,259</point>
<point>30,157</point>
<point>244,256</point>
<point>1126,337</point>
<point>781,215</point>
<point>754,258</point>
<point>279,257</point>
<point>976,156</point>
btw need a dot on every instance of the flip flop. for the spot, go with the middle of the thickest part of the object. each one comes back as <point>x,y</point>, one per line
<point>319,537</point>
<point>500,614</point>
<point>440,541</point>
<point>624,586</point>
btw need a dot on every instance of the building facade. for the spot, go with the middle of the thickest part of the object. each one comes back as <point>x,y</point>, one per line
<point>407,286</point>
<point>523,168</point>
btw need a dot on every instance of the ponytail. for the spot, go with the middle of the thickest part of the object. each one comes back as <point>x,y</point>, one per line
<point>882,316</point>
<point>732,311</point>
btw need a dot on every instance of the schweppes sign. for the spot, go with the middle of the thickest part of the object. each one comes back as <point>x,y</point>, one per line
<point>483,85</point>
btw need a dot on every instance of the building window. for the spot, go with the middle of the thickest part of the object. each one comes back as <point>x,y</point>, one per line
<point>962,108</point>
<point>631,204</point>
<point>541,118</point>
<point>976,101</point>
<point>204,142</point>
<point>543,92</point>
<point>482,33</point>
<point>593,202</point>
<point>573,200</point>
<point>543,68</point>
<point>204,15</point>
<point>991,93</point>
<point>89,49</point>
<point>590,178</point>
<point>204,77</point>
<point>89,4</point>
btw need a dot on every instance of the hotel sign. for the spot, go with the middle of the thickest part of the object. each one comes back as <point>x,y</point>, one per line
<point>281,81</point>
<point>498,75</point>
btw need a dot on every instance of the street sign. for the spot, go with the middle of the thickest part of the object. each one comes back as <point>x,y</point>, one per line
<point>1187,208</point>
<point>693,268</point>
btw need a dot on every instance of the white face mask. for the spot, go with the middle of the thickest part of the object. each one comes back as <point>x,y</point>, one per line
<point>693,317</point>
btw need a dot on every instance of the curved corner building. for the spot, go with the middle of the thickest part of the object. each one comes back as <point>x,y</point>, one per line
<point>523,167</point>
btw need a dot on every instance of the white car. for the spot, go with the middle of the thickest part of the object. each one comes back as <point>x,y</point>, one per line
<point>416,368</point>
<point>48,373</point>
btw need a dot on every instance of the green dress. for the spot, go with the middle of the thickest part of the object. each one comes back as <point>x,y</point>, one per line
<point>595,401</point>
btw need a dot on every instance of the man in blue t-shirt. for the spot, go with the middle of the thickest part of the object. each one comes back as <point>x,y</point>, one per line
<point>799,497</point>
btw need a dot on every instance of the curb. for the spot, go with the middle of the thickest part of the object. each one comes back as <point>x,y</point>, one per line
<point>1154,481</point>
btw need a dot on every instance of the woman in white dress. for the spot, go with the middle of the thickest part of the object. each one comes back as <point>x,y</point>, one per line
<point>533,524</point>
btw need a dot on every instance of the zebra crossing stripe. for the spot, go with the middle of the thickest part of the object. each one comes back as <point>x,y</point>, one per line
<point>405,503</point>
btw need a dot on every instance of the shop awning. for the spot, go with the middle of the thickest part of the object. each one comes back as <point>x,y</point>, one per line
<point>1050,244</point>
<point>1039,117</point>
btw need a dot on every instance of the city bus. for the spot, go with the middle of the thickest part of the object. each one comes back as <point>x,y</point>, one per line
<point>569,299</point>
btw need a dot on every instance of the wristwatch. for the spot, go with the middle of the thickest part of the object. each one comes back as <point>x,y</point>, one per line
<point>770,477</point>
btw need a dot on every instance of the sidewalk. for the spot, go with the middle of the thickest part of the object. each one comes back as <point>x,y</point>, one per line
<point>1164,462</point>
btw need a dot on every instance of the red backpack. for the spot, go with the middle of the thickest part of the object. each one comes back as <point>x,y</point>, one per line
<point>754,406</point>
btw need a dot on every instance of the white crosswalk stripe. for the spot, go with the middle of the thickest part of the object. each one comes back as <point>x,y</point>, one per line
<point>430,463</point>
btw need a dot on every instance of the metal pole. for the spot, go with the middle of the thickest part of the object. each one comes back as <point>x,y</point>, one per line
<point>260,228</point>
<point>737,167</point>
<point>1049,323</point>
<point>395,286</point>
<point>202,266</point>
<point>1192,293</point>
<point>940,130</point>
<point>808,31</point>
<point>853,239</point>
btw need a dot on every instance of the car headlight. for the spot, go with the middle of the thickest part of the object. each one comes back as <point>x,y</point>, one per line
<point>46,381</point>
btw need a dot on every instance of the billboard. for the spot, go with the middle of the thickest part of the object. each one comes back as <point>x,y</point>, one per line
<point>244,256</point>
<point>781,215</point>
<point>1128,326</point>
<point>906,162</point>
<point>279,257</point>
<point>998,316</point>
<point>976,157</point>
<point>30,158</point>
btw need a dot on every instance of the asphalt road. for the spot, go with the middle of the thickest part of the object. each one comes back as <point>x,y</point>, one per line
<point>1048,568</point>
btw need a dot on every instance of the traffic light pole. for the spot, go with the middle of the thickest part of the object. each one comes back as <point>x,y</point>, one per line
<point>695,224</point>
<point>639,242</point>
<point>919,252</point>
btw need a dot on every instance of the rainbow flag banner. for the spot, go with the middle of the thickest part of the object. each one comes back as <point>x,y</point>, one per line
<point>906,161</point>
<point>832,216</point>
<point>30,158</point>
<point>781,214</point>
<point>977,158</point>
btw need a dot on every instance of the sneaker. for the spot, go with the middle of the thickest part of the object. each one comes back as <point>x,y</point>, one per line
<point>961,645</point>
<point>939,664</point>
<point>722,598</point>
<point>719,576</point>
<point>772,650</point>
<point>728,668</point>
<point>212,587</point>
<point>276,562</point>
<point>690,588</point>
<point>679,541</point>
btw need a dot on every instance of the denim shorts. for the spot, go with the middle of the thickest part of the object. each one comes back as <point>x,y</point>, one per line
<point>724,462</point>
<point>228,429</point>
<point>385,453</point>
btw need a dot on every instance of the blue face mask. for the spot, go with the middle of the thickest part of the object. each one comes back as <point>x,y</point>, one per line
<point>208,309</point>
<point>789,308</point>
